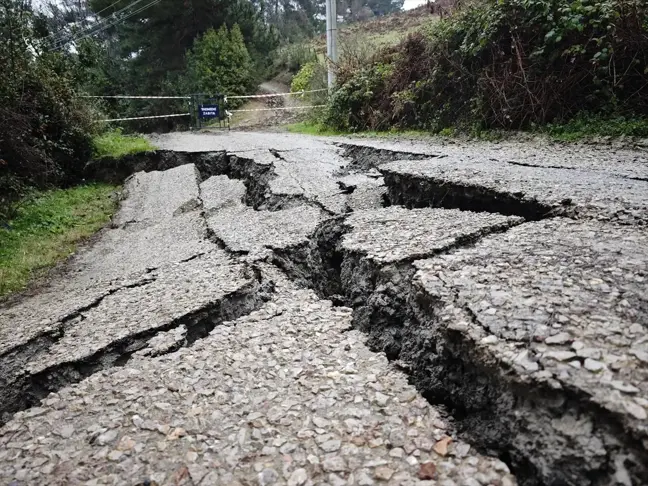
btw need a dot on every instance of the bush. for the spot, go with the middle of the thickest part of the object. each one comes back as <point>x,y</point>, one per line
<point>510,64</point>
<point>311,76</point>
<point>45,130</point>
<point>358,104</point>
<point>293,57</point>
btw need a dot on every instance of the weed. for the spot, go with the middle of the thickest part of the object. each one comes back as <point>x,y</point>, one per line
<point>46,229</point>
<point>586,126</point>
<point>116,144</point>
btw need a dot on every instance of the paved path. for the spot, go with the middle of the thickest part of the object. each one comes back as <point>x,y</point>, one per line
<point>282,309</point>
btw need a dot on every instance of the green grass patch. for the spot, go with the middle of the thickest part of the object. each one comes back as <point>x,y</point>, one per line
<point>309,128</point>
<point>584,127</point>
<point>46,229</point>
<point>116,144</point>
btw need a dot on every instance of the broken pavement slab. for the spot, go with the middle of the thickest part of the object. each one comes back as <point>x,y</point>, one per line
<point>531,192</point>
<point>243,230</point>
<point>536,336</point>
<point>194,411</point>
<point>627,162</point>
<point>548,325</point>
<point>198,294</point>
<point>154,271</point>
<point>281,396</point>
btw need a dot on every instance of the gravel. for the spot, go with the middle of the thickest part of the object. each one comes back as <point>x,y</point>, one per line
<point>281,396</point>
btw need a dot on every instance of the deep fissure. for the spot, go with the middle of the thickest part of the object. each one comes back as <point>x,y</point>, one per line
<point>28,389</point>
<point>495,412</point>
<point>492,410</point>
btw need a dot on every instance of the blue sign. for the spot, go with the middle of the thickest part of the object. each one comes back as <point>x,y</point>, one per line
<point>208,111</point>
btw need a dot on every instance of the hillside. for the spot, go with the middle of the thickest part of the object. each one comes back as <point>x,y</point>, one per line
<point>378,31</point>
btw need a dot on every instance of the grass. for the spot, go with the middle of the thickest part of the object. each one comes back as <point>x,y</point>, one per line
<point>310,128</point>
<point>116,144</point>
<point>584,127</point>
<point>47,228</point>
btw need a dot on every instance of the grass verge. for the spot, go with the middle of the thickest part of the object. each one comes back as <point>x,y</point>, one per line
<point>585,127</point>
<point>47,228</point>
<point>310,128</point>
<point>116,144</point>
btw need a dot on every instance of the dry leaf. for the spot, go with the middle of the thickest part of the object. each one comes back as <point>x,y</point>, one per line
<point>441,447</point>
<point>181,474</point>
<point>427,471</point>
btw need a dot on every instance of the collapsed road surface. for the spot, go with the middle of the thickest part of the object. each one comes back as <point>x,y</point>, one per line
<point>274,309</point>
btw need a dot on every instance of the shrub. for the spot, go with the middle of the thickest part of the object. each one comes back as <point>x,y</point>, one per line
<point>310,77</point>
<point>510,64</point>
<point>45,130</point>
<point>293,57</point>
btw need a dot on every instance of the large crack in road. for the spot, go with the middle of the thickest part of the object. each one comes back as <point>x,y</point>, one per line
<point>514,301</point>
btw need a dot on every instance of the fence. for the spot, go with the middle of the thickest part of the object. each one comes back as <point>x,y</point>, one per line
<point>203,107</point>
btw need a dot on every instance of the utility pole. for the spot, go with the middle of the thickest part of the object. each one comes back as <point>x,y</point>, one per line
<point>331,39</point>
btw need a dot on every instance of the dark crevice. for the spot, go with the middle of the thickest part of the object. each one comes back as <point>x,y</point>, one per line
<point>495,409</point>
<point>536,166</point>
<point>492,406</point>
<point>22,390</point>
<point>364,158</point>
<point>414,191</point>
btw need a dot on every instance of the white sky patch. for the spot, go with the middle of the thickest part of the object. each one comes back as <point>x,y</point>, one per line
<point>410,4</point>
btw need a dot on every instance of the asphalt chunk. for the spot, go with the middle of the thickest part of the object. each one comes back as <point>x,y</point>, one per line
<point>532,192</point>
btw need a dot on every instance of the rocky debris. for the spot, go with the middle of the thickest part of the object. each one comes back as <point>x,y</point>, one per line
<point>164,342</point>
<point>532,192</point>
<point>369,191</point>
<point>281,396</point>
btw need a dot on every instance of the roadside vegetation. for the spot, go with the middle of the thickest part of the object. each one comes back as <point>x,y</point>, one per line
<point>562,67</point>
<point>116,144</point>
<point>46,227</point>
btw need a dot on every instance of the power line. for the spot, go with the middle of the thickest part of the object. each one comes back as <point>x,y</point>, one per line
<point>89,34</point>
<point>62,35</point>
<point>58,42</point>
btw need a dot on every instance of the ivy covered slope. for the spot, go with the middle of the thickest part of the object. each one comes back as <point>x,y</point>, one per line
<point>505,64</point>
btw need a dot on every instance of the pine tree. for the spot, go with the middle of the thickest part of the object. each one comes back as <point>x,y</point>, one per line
<point>219,63</point>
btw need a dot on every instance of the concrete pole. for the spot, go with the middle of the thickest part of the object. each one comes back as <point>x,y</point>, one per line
<point>331,39</point>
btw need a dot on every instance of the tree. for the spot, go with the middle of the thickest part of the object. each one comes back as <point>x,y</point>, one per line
<point>44,128</point>
<point>219,63</point>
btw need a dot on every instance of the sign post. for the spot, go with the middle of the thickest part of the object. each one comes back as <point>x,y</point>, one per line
<point>211,109</point>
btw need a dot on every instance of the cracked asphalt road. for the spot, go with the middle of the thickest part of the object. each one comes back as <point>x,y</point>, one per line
<point>283,309</point>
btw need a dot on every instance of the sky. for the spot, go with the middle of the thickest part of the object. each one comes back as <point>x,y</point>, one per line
<point>410,4</point>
